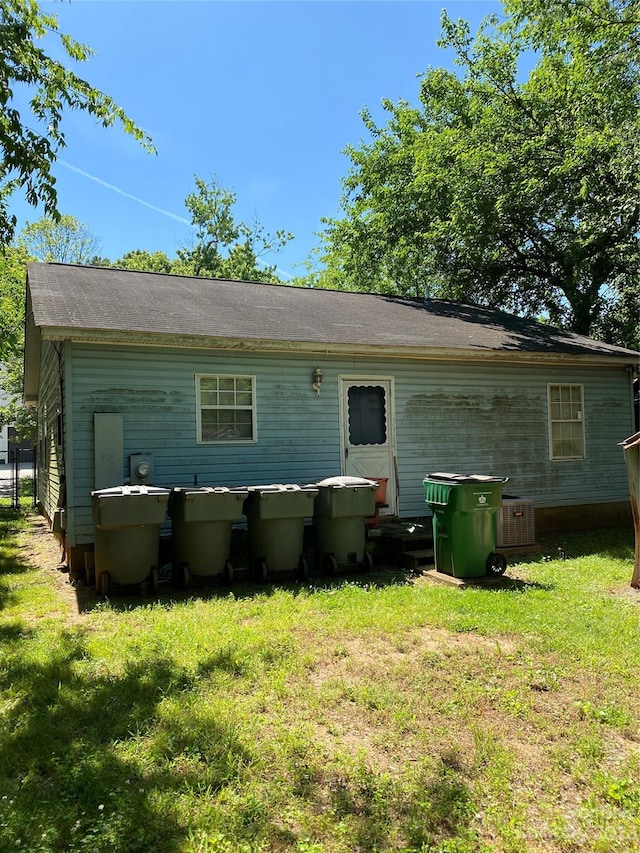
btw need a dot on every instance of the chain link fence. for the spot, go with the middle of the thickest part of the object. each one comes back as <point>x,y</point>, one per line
<point>18,478</point>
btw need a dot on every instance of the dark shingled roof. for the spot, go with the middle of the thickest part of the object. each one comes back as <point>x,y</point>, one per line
<point>81,299</point>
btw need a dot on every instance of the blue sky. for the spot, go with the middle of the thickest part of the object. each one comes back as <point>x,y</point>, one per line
<point>265,95</point>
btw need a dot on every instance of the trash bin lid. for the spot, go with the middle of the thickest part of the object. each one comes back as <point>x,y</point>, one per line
<point>460,479</point>
<point>344,482</point>
<point>117,491</point>
<point>275,487</point>
<point>203,490</point>
<point>279,488</point>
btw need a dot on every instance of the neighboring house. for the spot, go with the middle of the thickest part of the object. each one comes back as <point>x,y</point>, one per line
<point>8,441</point>
<point>237,383</point>
<point>4,444</point>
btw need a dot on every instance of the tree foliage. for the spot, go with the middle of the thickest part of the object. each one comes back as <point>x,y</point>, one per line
<point>64,240</point>
<point>517,193</point>
<point>224,247</point>
<point>13,266</point>
<point>140,259</point>
<point>26,69</point>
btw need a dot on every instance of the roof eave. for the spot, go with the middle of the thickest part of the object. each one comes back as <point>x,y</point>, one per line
<point>423,353</point>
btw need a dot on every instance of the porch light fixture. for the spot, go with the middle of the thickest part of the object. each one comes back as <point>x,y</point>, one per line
<point>316,380</point>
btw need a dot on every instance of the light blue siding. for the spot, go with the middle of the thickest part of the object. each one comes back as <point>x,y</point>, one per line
<point>493,419</point>
<point>484,418</point>
<point>49,452</point>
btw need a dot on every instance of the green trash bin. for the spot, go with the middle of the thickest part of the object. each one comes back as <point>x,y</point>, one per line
<point>464,510</point>
<point>127,523</point>
<point>275,521</point>
<point>201,523</point>
<point>339,514</point>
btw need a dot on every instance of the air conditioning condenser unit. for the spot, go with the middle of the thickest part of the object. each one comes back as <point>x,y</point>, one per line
<point>516,523</point>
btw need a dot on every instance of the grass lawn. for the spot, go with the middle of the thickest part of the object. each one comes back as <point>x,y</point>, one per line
<point>377,712</point>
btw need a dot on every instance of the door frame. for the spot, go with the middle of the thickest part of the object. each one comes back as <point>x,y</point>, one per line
<point>344,381</point>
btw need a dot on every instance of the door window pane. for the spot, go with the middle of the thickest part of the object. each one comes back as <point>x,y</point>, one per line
<point>367,415</point>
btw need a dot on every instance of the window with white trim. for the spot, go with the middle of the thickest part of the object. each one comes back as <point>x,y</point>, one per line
<point>226,409</point>
<point>566,422</point>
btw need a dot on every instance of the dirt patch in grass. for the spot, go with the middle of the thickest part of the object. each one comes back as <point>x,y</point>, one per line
<point>455,688</point>
<point>358,680</point>
<point>364,654</point>
<point>39,548</point>
<point>628,593</point>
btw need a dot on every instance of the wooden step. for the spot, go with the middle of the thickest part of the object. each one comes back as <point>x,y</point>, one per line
<point>417,559</point>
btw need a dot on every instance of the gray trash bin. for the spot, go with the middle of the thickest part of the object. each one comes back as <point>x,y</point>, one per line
<point>340,510</point>
<point>127,523</point>
<point>201,523</point>
<point>275,518</point>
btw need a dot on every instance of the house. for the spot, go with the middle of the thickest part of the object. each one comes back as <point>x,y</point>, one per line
<point>10,446</point>
<point>237,383</point>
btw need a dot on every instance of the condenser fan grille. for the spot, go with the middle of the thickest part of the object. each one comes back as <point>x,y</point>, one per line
<point>516,523</point>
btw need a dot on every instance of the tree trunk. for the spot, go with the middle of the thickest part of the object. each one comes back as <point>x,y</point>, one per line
<point>584,309</point>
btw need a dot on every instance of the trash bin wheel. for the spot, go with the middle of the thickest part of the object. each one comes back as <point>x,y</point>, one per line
<point>367,561</point>
<point>261,571</point>
<point>105,584</point>
<point>303,569</point>
<point>227,572</point>
<point>154,580</point>
<point>331,565</point>
<point>496,564</point>
<point>184,575</point>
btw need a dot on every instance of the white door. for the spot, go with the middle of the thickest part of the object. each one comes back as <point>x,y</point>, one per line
<point>368,447</point>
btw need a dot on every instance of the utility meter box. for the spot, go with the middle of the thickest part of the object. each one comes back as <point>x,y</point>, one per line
<point>141,469</point>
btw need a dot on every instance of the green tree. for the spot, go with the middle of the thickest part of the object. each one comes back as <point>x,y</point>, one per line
<point>223,247</point>
<point>140,259</point>
<point>211,209</point>
<point>13,268</point>
<point>28,152</point>
<point>521,194</point>
<point>619,322</point>
<point>13,411</point>
<point>64,240</point>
